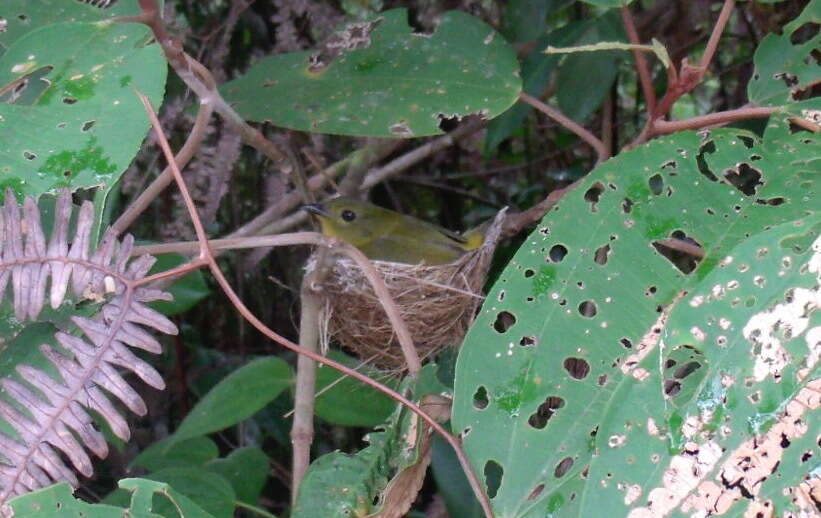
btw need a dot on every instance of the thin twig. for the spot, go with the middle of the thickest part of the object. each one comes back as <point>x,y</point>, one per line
<point>680,245</point>
<point>682,82</point>
<point>718,29</point>
<point>357,256</point>
<point>662,127</point>
<point>186,152</point>
<point>571,125</point>
<point>642,68</point>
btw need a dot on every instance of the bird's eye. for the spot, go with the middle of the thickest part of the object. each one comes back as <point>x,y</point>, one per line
<point>348,215</point>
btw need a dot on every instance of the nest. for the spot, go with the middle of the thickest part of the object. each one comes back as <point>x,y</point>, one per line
<point>437,303</point>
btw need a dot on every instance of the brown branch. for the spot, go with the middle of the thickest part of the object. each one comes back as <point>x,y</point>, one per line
<point>205,251</point>
<point>642,68</point>
<point>302,427</point>
<point>188,150</point>
<point>571,125</point>
<point>663,127</point>
<point>718,29</point>
<point>680,245</point>
<point>682,82</point>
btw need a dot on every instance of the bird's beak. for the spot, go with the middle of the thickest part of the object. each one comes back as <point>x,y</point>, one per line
<point>316,209</point>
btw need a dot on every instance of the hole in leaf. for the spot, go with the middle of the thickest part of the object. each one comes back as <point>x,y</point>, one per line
<point>707,148</point>
<point>557,253</point>
<point>529,273</point>
<point>627,205</point>
<point>626,343</point>
<point>602,380</point>
<point>480,399</point>
<point>744,178</point>
<point>66,173</point>
<point>656,184</point>
<point>672,387</point>
<point>602,255</point>
<point>578,368</point>
<point>69,100</point>
<point>87,125</point>
<point>527,341</point>
<point>679,249</point>
<point>28,155</point>
<point>493,476</point>
<point>686,369</point>
<point>448,124</point>
<point>773,202</point>
<point>545,411</point>
<point>563,467</point>
<point>588,309</point>
<point>593,194</point>
<point>805,33</point>
<point>504,321</point>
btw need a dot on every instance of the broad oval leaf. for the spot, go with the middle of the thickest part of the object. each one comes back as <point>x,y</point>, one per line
<point>380,79</point>
<point>237,397</point>
<point>544,359</point>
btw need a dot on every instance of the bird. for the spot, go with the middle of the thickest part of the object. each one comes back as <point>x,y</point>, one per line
<point>385,235</point>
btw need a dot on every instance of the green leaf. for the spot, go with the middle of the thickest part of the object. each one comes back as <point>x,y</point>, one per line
<point>207,490</point>
<point>783,68</point>
<point>170,453</point>
<point>452,483</point>
<point>237,397</point>
<point>58,502</point>
<point>246,469</point>
<point>750,324</point>
<point>187,291</point>
<point>525,20</point>
<point>23,16</point>
<point>541,364</point>
<point>349,402</point>
<point>77,122</point>
<point>584,78</point>
<point>390,83</point>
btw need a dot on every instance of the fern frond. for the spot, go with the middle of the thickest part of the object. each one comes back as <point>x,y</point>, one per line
<point>51,416</point>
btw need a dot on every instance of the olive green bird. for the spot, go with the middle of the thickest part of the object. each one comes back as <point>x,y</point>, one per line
<point>386,235</point>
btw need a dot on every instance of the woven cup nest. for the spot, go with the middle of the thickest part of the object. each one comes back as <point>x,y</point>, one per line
<point>437,303</point>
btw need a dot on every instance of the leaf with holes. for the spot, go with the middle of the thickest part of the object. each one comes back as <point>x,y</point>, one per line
<point>71,117</point>
<point>380,79</point>
<point>784,63</point>
<point>58,502</point>
<point>722,396</point>
<point>542,363</point>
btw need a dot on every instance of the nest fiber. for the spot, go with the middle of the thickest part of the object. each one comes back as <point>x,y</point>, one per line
<point>437,303</point>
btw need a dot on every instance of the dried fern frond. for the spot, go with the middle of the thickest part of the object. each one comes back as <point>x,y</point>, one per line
<point>50,416</point>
